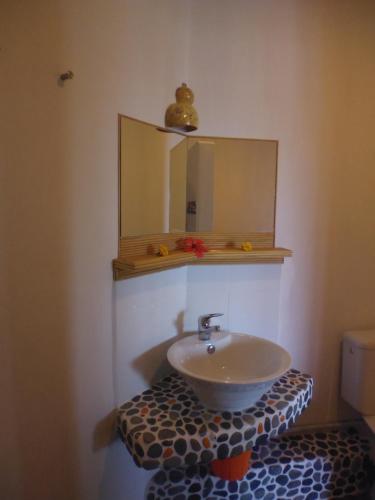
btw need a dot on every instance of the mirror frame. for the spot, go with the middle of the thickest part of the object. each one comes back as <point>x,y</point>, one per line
<point>139,255</point>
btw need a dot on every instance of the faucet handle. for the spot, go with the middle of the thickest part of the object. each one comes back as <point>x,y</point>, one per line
<point>204,320</point>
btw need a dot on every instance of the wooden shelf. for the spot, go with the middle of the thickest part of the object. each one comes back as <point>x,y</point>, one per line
<point>126,267</point>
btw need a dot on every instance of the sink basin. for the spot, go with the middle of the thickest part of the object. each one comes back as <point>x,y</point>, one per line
<point>233,377</point>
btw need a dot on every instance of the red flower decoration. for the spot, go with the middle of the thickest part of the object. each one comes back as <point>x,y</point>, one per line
<point>194,245</point>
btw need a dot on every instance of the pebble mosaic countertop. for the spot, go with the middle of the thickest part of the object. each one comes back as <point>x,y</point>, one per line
<point>311,466</point>
<point>166,426</point>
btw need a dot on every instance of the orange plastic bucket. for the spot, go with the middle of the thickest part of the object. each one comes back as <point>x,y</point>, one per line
<point>233,468</point>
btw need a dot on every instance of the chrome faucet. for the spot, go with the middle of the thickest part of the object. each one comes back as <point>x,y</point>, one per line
<point>204,327</point>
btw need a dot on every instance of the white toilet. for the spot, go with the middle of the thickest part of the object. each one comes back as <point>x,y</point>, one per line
<point>358,377</point>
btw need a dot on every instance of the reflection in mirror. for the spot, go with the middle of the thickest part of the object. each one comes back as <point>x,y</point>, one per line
<point>144,173</point>
<point>173,183</point>
<point>231,185</point>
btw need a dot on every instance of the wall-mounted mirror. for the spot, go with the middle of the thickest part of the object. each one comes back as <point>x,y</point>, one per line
<point>172,183</point>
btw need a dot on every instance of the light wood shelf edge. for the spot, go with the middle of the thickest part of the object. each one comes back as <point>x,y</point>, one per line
<point>143,245</point>
<point>127,267</point>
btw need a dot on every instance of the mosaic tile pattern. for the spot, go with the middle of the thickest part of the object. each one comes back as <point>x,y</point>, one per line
<point>167,426</point>
<point>302,467</point>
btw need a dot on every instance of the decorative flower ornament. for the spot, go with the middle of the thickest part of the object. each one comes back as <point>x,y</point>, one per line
<point>163,250</point>
<point>246,246</point>
<point>194,245</point>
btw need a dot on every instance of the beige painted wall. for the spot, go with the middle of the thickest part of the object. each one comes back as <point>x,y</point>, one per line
<point>304,73</point>
<point>58,220</point>
<point>74,344</point>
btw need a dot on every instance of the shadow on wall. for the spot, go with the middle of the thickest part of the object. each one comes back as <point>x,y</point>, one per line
<point>153,365</point>
<point>38,417</point>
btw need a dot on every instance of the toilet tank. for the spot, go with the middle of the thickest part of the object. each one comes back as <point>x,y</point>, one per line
<point>358,370</point>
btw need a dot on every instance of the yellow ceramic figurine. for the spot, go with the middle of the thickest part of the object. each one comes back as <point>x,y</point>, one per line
<point>182,114</point>
<point>246,246</point>
<point>163,250</point>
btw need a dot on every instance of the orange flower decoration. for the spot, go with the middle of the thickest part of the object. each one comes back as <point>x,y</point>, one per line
<point>194,245</point>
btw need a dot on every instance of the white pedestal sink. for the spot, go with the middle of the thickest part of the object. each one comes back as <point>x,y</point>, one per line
<point>237,372</point>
